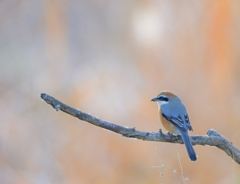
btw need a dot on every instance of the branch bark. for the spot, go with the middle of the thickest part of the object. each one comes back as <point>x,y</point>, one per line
<point>213,138</point>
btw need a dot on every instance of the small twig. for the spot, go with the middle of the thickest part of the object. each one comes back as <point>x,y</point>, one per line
<point>212,138</point>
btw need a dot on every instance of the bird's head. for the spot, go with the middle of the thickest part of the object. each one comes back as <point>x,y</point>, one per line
<point>164,97</point>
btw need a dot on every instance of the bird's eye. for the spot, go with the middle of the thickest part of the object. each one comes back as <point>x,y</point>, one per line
<point>163,98</point>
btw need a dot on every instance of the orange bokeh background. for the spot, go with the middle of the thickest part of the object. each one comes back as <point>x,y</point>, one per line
<point>109,59</point>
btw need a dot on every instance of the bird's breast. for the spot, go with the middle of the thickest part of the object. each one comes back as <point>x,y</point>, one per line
<point>166,124</point>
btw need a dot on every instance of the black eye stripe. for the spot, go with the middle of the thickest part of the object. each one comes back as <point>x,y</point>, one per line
<point>163,98</point>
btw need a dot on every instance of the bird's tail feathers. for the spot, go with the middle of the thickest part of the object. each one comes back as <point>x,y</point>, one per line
<point>191,152</point>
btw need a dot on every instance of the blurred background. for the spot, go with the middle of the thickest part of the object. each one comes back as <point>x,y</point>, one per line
<point>109,59</point>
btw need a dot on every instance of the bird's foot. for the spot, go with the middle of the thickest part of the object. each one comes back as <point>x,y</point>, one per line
<point>160,132</point>
<point>173,135</point>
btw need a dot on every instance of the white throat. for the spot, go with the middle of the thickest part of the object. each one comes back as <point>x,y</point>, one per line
<point>161,103</point>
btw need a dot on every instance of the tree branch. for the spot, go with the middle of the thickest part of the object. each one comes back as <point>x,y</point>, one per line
<point>212,138</point>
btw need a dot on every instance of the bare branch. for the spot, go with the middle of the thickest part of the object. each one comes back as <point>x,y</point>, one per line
<point>212,138</point>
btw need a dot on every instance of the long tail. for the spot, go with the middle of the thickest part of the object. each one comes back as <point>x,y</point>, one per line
<point>191,153</point>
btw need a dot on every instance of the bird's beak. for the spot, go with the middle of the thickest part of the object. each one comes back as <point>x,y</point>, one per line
<point>154,99</point>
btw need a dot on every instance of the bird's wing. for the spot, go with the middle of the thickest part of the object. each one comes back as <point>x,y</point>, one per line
<point>178,122</point>
<point>179,119</point>
<point>188,122</point>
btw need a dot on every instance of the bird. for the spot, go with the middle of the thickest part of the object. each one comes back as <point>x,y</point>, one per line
<point>174,118</point>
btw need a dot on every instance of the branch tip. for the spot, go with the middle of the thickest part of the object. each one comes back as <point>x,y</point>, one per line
<point>213,132</point>
<point>43,95</point>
